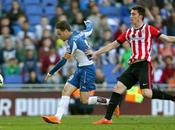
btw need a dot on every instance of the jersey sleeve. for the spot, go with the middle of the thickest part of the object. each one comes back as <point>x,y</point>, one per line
<point>154,31</point>
<point>89,28</point>
<point>122,38</point>
<point>70,48</point>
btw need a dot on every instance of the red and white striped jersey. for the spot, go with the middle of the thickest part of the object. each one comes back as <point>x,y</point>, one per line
<point>140,41</point>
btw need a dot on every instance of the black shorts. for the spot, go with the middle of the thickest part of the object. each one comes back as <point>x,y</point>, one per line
<point>139,72</point>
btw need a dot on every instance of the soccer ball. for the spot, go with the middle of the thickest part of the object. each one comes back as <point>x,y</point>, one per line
<point>1,80</point>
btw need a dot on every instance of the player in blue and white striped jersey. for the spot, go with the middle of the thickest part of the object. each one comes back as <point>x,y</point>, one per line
<point>85,74</point>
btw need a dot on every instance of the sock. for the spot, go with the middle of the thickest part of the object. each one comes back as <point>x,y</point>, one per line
<point>63,106</point>
<point>156,94</point>
<point>98,100</point>
<point>114,101</point>
<point>92,100</point>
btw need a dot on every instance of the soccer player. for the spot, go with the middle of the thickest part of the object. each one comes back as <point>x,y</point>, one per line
<point>140,37</point>
<point>84,76</point>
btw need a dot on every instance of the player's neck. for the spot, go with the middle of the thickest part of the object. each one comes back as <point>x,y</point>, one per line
<point>138,25</point>
<point>69,34</point>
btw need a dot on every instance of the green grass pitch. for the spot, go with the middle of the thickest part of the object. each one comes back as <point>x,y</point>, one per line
<point>84,122</point>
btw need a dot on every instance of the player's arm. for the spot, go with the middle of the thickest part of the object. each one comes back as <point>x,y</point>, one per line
<point>156,33</point>
<point>166,38</point>
<point>102,50</point>
<point>108,47</point>
<point>89,28</point>
<point>58,66</point>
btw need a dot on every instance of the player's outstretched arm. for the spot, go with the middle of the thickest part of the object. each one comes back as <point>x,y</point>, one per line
<point>166,38</point>
<point>89,28</point>
<point>58,65</point>
<point>104,49</point>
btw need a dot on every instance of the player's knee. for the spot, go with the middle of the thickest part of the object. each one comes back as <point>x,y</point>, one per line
<point>65,92</point>
<point>146,93</point>
<point>119,88</point>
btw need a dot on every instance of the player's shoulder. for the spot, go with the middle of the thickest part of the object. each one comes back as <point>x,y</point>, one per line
<point>73,38</point>
<point>151,26</point>
<point>77,35</point>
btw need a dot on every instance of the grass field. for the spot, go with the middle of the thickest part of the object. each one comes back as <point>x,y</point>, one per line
<point>85,123</point>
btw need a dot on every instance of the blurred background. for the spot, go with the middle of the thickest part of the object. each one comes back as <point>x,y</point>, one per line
<point>29,49</point>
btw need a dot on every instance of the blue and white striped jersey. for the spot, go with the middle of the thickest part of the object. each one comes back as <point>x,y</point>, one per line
<point>77,44</point>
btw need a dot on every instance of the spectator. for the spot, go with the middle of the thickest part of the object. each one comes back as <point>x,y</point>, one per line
<point>107,3</point>
<point>11,67</point>
<point>168,70</point>
<point>59,11</point>
<point>30,61</point>
<point>72,10</point>
<point>123,58</point>
<point>33,78</point>
<point>165,12</point>
<point>78,23</point>
<point>157,71</point>
<point>5,21</point>
<point>50,59</point>
<point>103,25</point>
<point>41,27</point>
<point>171,24</point>
<point>63,17</point>
<point>125,8</point>
<point>7,51</point>
<point>46,34</point>
<point>122,28</point>
<point>95,15</point>
<point>167,50</point>
<point>155,11</point>
<point>26,31</point>
<point>15,12</point>
<point>21,51</point>
<point>44,50</point>
<point>5,32</point>
<point>110,57</point>
<point>17,27</point>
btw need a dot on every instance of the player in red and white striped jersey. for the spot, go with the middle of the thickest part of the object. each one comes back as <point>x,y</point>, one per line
<point>140,41</point>
<point>140,37</point>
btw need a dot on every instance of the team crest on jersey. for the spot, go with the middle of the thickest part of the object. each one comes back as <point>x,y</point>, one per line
<point>138,38</point>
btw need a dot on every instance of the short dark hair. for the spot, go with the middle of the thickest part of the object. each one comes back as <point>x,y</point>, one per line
<point>140,10</point>
<point>63,25</point>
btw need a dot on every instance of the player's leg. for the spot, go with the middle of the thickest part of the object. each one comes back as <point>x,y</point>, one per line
<point>63,104</point>
<point>126,80</point>
<point>68,89</point>
<point>157,94</point>
<point>146,84</point>
<point>85,98</point>
<point>64,101</point>
<point>87,83</point>
<point>113,103</point>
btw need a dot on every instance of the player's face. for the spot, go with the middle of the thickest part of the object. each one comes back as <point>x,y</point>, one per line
<point>62,34</point>
<point>135,17</point>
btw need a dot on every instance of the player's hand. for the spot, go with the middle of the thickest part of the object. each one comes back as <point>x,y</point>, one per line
<point>47,76</point>
<point>91,54</point>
